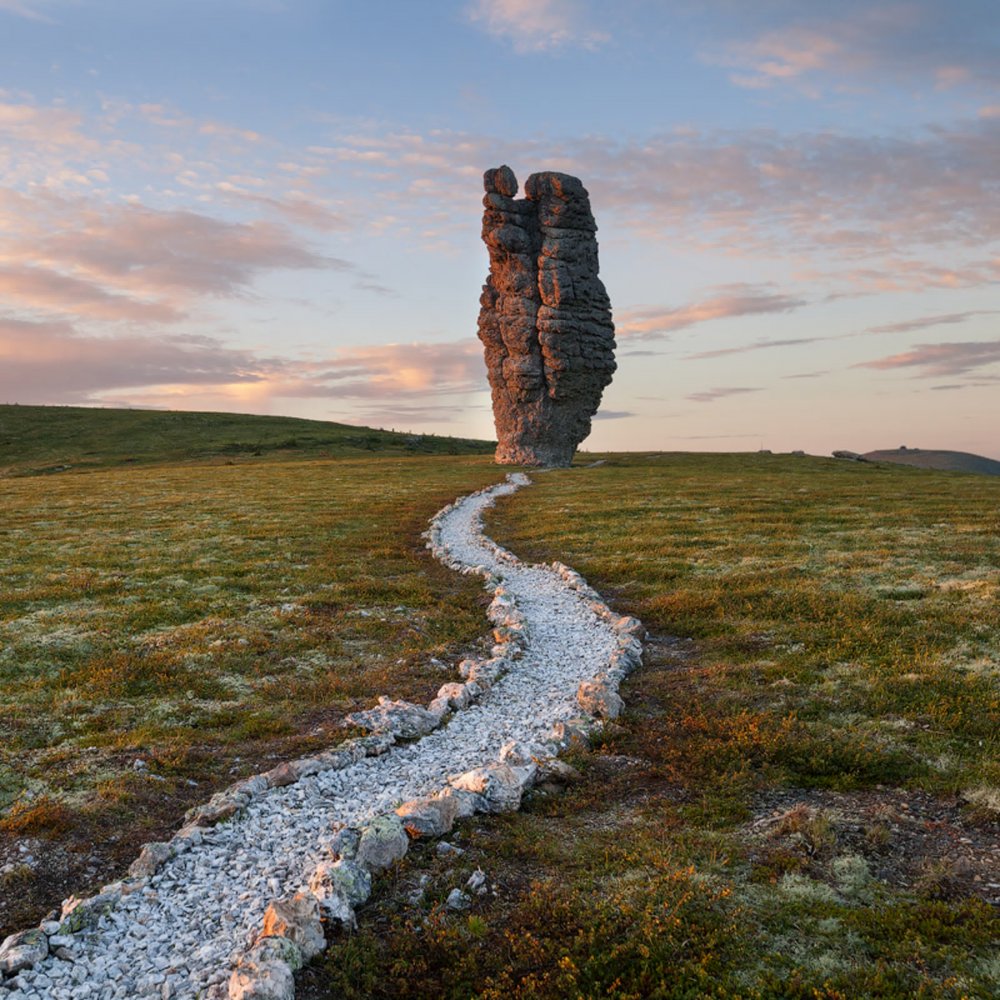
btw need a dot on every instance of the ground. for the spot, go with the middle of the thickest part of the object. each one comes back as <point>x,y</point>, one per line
<point>800,801</point>
<point>801,798</point>
<point>166,630</point>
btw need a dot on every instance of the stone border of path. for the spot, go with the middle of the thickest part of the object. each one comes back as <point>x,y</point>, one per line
<point>292,930</point>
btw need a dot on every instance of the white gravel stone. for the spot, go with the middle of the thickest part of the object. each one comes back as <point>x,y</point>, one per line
<point>183,928</point>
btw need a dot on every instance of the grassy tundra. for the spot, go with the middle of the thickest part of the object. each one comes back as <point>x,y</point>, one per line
<point>801,800</point>
<point>165,628</point>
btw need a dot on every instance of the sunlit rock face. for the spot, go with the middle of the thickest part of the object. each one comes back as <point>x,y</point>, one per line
<point>545,319</point>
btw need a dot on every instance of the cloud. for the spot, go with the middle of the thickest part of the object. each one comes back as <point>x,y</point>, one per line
<point>391,371</point>
<point>721,392</point>
<point>89,259</point>
<point>153,251</point>
<point>895,274</point>
<point>985,382</point>
<point>760,345</point>
<point>42,127</point>
<point>51,361</point>
<point>729,301</point>
<point>23,9</point>
<point>807,45</point>
<point>49,291</point>
<point>537,25</point>
<point>941,360</point>
<point>396,415</point>
<point>296,207</point>
<point>926,321</point>
<point>614,414</point>
<point>885,204</point>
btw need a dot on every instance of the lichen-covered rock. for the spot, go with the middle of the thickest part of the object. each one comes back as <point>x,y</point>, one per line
<point>151,859</point>
<point>428,817</point>
<point>296,919</point>
<point>383,842</point>
<point>499,785</point>
<point>340,886</point>
<point>573,734</point>
<point>458,900</point>
<point>457,695</point>
<point>599,699</point>
<point>79,913</point>
<point>276,949</point>
<point>545,318</point>
<point>466,803</point>
<point>262,980</point>
<point>400,718</point>
<point>558,772</point>
<point>283,774</point>
<point>344,876</point>
<point>23,950</point>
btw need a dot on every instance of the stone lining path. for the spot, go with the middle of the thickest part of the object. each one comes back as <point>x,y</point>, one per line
<point>180,931</point>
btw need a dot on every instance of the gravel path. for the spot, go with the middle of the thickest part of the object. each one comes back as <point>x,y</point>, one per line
<point>181,930</point>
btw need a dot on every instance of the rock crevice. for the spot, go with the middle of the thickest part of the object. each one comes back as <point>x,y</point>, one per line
<point>545,317</point>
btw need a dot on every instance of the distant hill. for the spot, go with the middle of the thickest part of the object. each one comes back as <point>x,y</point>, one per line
<point>35,440</point>
<point>945,461</point>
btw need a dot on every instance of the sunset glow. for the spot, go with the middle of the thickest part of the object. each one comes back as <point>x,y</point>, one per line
<point>274,207</point>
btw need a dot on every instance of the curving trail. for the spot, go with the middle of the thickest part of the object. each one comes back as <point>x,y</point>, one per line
<point>179,932</point>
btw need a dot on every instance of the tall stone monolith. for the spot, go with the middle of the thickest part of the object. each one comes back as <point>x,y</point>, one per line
<point>545,320</point>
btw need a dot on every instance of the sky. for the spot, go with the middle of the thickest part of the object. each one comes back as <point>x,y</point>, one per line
<point>274,206</point>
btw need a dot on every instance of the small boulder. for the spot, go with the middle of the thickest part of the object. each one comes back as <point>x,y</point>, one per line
<point>574,733</point>
<point>457,695</point>
<point>428,817</point>
<point>23,950</point>
<point>558,772</point>
<point>499,785</point>
<point>296,919</point>
<point>401,718</point>
<point>262,980</point>
<point>151,858</point>
<point>383,842</point>
<point>599,700</point>
<point>340,886</point>
<point>478,883</point>
<point>458,900</point>
<point>283,774</point>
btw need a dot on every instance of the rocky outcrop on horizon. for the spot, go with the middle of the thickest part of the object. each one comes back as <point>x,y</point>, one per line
<point>545,320</point>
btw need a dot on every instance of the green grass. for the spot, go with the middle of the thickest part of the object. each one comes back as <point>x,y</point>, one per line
<point>49,439</point>
<point>776,815</point>
<point>842,675</point>
<point>207,620</point>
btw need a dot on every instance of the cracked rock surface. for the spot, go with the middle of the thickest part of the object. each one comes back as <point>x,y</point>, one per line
<point>545,320</point>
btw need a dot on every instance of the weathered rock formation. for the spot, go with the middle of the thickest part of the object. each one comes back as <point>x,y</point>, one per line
<point>545,319</point>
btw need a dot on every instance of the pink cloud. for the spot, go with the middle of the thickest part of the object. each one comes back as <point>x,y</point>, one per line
<point>51,361</point>
<point>391,371</point>
<point>91,259</point>
<point>731,301</point>
<point>537,25</point>
<point>721,392</point>
<point>923,322</point>
<point>857,44</point>
<point>941,360</point>
<point>41,127</point>
<point>49,291</point>
<point>759,345</point>
<point>152,251</point>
